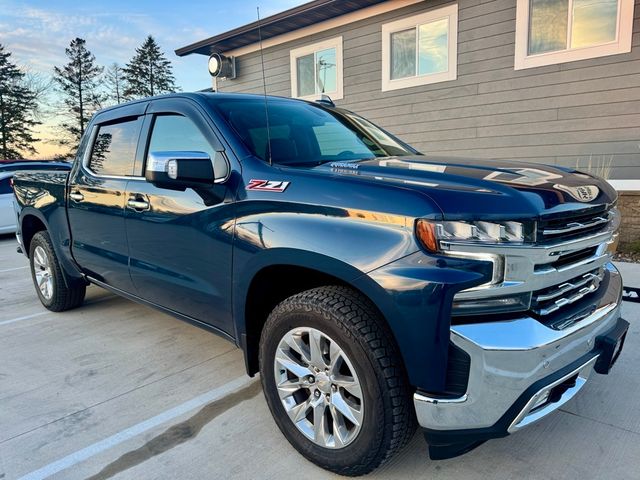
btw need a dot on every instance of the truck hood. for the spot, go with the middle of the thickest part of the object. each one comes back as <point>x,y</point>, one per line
<point>484,189</point>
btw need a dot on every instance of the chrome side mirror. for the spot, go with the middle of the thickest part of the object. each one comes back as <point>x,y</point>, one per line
<point>186,169</point>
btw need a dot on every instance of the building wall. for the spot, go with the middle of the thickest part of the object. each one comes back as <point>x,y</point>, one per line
<point>629,205</point>
<point>584,114</point>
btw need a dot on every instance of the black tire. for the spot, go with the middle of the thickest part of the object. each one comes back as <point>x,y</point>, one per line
<point>350,318</point>
<point>62,296</point>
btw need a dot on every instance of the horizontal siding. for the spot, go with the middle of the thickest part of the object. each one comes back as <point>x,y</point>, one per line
<point>573,114</point>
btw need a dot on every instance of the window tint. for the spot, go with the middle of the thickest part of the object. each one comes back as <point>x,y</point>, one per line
<point>303,133</point>
<point>114,149</point>
<point>5,186</point>
<point>178,133</point>
<point>332,141</point>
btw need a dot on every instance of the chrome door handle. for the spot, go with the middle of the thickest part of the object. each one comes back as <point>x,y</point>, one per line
<point>139,204</point>
<point>76,196</point>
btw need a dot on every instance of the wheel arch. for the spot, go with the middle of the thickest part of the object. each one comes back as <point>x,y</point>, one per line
<point>269,284</point>
<point>31,223</point>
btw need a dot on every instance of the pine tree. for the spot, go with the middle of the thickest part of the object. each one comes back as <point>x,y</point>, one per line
<point>149,72</point>
<point>114,83</point>
<point>77,82</point>
<point>18,106</point>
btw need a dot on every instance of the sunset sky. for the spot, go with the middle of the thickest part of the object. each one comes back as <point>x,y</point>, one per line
<point>37,33</point>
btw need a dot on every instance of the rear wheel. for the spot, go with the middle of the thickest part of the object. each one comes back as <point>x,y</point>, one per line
<point>47,276</point>
<point>334,380</point>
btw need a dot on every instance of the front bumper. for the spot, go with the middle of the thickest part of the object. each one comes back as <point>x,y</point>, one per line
<point>521,371</point>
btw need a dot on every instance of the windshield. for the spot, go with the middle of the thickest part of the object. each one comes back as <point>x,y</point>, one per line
<point>306,134</point>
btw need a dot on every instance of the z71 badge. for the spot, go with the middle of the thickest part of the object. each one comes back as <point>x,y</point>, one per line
<point>268,185</point>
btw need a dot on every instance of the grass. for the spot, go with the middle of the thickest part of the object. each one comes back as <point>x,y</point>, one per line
<point>633,247</point>
<point>598,165</point>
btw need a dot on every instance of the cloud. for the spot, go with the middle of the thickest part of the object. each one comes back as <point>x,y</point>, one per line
<point>37,32</point>
<point>38,37</point>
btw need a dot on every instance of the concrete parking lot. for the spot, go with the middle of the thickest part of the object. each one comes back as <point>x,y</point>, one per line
<point>117,390</point>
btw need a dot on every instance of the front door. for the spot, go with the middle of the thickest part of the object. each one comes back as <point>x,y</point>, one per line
<point>180,242</point>
<point>96,201</point>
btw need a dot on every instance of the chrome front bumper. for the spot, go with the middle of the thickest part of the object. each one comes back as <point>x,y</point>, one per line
<point>509,358</point>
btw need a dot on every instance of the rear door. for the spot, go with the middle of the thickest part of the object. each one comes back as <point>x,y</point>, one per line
<point>180,241</point>
<point>96,202</point>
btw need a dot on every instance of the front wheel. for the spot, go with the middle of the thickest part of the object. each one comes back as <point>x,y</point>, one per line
<point>334,380</point>
<point>46,272</point>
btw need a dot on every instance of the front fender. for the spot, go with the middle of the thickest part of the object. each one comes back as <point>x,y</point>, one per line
<point>284,257</point>
<point>339,242</point>
<point>415,294</point>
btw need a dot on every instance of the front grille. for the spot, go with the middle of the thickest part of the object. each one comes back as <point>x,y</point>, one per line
<point>551,299</point>
<point>577,224</point>
<point>554,279</point>
<point>574,257</point>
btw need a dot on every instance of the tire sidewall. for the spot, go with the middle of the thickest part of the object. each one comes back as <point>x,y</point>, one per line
<point>39,240</point>
<point>369,439</point>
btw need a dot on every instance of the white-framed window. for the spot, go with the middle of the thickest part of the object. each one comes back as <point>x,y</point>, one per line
<point>420,49</point>
<point>317,69</point>
<point>558,31</point>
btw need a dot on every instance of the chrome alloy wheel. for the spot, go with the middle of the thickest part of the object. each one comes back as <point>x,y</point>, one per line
<point>43,272</point>
<point>318,387</point>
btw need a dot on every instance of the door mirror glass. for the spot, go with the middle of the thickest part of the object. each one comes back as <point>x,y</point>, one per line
<point>181,169</point>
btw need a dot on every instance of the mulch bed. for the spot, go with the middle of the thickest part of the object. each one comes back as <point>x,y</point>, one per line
<point>627,257</point>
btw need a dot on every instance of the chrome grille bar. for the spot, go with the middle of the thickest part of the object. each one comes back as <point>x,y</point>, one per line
<point>572,291</point>
<point>556,271</point>
<point>566,287</point>
<point>575,226</point>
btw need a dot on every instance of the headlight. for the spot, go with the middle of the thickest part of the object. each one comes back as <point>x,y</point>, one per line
<point>434,235</point>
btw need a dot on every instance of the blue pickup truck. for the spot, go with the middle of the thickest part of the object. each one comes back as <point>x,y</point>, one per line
<point>372,287</point>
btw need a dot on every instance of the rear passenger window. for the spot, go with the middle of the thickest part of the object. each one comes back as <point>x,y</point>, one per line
<point>178,133</point>
<point>114,150</point>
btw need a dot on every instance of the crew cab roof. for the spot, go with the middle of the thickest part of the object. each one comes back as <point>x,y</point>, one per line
<point>138,107</point>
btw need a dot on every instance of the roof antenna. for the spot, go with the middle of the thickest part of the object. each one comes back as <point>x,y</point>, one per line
<point>264,87</point>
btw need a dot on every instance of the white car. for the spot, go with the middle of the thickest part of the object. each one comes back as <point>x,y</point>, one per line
<point>7,215</point>
<point>7,170</point>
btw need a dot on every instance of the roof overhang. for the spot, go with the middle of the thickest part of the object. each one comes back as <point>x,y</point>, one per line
<point>296,18</point>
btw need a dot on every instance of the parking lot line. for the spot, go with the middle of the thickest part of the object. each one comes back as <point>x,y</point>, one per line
<point>135,430</point>
<point>39,314</point>
<point>13,269</point>
<point>26,317</point>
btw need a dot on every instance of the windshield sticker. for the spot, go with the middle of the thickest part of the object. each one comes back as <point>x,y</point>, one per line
<point>268,185</point>
<point>345,165</point>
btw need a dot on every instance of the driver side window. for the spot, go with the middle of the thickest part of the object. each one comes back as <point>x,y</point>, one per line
<point>178,133</point>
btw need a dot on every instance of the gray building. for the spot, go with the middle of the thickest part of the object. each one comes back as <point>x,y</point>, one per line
<point>551,81</point>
